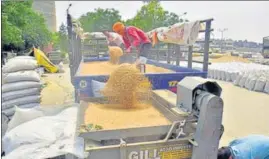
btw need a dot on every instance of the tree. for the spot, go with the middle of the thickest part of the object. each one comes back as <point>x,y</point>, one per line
<point>10,33</point>
<point>23,27</point>
<point>63,38</point>
<point>99,20</point>
<point>152,16</point>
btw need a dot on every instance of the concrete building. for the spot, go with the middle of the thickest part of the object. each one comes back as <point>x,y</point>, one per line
<point>47,8</point>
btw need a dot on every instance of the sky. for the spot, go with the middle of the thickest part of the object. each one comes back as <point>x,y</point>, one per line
<point>243,19</point>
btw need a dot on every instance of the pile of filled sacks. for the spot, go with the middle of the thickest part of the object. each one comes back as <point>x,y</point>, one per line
<point>254,77</point>
<point>21,85</point>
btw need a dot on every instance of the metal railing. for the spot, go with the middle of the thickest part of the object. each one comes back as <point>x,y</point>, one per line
<point>168,52</point>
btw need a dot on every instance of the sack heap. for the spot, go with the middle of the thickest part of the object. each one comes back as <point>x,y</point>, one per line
<point>21,84</point>
<point>254,77</point>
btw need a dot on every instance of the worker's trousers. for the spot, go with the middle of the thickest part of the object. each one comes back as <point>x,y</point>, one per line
<point>145,49</point>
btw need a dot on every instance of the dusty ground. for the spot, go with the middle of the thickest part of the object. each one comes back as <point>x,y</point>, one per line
<point>59,89</point>
<point>245,112</point>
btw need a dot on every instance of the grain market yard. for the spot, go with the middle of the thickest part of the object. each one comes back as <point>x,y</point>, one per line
<point>245,112</point>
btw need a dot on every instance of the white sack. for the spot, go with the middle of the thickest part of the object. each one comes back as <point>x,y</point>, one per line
<point>29,105</point>
<point>20,93</point>
<point>15,65</point>
<point>20,86</point>
<point>243,81</point>
<point>228,76</point>
<point>266,88</point>
<point>24,57</point>
<point>260,84</point>
<point>21,101</point>
<point>251,83</point>
<point>43,136</point>
<point>21,76</point>
<point>9,112</point>
<point>97,87</point>
<point>4,124</point>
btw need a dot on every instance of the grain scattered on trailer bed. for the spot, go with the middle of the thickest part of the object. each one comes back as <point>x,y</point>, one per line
<point>111,116</point>
<point>105,68</point>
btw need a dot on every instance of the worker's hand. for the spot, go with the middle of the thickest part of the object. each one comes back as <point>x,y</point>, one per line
<point>128,50</point>
<point>110,39</point>
<point>141,60</point>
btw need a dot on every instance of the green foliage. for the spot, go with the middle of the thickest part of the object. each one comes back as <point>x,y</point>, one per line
<point>10,33</point>
<point>63,40</point>
<point>150,16</point>
<point>99,20</point>
<point>55,38</point>
<point>22,26</point>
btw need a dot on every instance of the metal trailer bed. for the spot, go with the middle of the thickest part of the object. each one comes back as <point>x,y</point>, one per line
<point>194,133</point>
<point>159,80</point>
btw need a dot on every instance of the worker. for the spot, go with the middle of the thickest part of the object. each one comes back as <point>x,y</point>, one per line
<point>134,37</point>
<point>113,39</point>
<point>250,147</point>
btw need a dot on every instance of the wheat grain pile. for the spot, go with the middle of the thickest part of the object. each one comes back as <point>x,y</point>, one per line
<point>128,92</point>
<point>129,102</point>
<point>126,85</point>
<point>114,53</point>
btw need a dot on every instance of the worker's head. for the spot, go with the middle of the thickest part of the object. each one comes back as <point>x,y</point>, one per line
<point>119,27</point>
<point>224,153</point>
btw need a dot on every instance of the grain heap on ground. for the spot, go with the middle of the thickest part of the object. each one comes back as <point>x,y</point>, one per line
<point>229,58</point>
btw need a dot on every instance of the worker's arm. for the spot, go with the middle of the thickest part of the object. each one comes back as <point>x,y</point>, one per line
<point>126,43</point>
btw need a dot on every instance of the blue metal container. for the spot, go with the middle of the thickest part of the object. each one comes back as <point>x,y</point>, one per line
<point>159,80</point>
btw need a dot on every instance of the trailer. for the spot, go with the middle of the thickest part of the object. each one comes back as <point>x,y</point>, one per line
<point>195,113</point>
<point>193,106</point>
<point>82,82</point>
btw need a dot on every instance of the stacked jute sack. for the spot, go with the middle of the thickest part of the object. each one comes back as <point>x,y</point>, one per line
<point>21,84</point>
<point>254,77</point>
